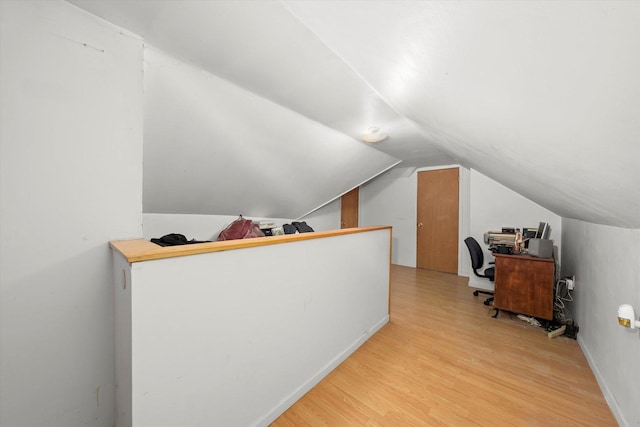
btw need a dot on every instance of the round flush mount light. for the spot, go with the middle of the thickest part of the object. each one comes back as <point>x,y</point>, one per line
<point>374,134</point>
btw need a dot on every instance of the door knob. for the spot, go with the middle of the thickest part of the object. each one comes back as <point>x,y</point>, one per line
<point>419,224</point>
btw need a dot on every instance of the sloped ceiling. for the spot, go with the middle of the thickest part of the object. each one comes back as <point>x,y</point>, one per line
<point>543,97</point>
<point>211,147</point>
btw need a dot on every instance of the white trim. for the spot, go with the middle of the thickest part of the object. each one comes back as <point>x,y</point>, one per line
<point>314,380</point>
<point>608,396</point>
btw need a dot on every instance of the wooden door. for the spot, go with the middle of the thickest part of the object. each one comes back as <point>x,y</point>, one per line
<point>349,209</point>
<point>437,220</point>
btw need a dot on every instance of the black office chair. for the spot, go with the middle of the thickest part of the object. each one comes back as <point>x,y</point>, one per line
<point>477,261</point>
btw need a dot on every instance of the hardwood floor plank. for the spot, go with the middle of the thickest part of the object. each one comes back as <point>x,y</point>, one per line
<point>442,360</point>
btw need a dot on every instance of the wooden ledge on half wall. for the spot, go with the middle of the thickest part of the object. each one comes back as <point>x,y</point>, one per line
<point>138,250</point>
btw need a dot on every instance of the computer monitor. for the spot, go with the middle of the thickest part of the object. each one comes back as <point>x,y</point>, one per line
<point>543,231</point>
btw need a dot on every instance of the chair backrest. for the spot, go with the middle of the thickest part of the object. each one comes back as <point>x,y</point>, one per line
<point>477,258</point>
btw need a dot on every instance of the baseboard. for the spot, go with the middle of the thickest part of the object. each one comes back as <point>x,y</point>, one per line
<point>608,396</point>
<point>272,415</point>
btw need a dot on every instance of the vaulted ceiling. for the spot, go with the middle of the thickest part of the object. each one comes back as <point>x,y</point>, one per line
<point>543,97</point>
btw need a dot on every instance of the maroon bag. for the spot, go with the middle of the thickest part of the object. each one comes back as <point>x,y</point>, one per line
<point>241,229</point>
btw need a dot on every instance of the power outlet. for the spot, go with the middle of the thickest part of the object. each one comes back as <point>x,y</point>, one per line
<point>570,282</point>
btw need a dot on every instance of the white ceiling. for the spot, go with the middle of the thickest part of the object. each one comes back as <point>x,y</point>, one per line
<point>211,147</point>
<point>543,97</point>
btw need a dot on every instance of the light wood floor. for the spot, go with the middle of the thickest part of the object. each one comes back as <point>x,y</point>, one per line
<point>442,360</point>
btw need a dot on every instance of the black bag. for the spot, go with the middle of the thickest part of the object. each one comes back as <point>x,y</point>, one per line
<point>289,229</point>
<point>302,227</point>
<point>174,239</point>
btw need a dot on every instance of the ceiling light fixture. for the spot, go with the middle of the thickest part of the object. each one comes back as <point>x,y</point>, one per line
<point>374,134</point>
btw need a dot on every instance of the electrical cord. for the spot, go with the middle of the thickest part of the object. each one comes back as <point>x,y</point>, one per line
<point>562,295</point>
<point>530,320</point>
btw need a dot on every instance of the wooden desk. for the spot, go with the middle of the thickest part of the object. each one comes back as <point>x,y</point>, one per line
<point>524,285</point>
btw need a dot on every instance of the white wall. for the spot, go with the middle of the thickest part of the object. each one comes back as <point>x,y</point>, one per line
<point>390,199</point>
<point>246,332</point>
<point>493,206</point>
<point>326,218</point>
<point>211,147</point>
<point>70,180</point>
<point>606,263</point>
